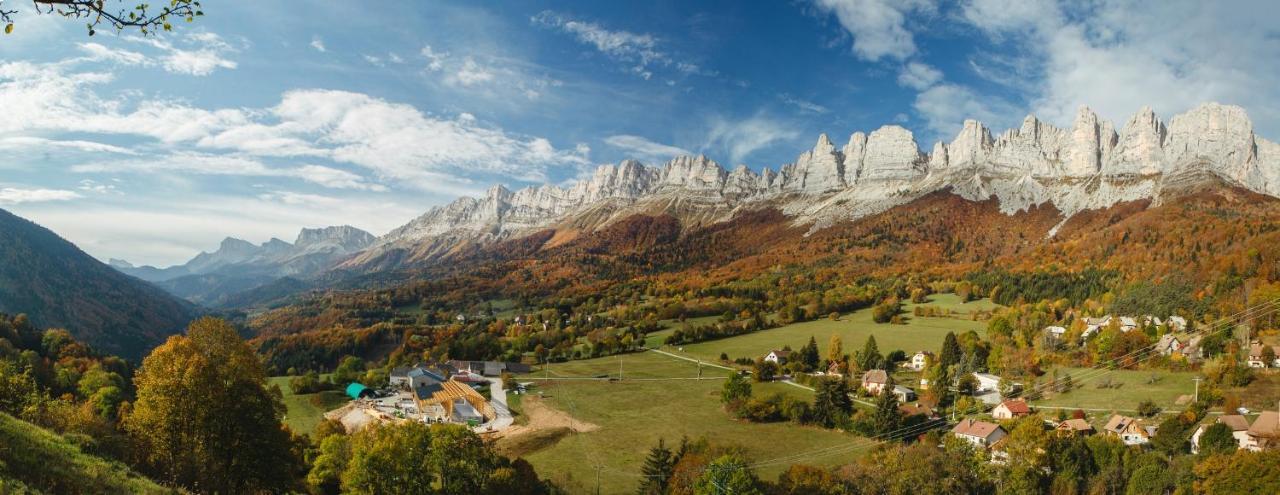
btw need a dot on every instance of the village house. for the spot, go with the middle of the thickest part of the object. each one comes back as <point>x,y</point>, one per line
<point>924,383</point>
<point>874,381</point>
<point>919,360</point>
<point>1239,429</point>
<point>918,409</point>
<point>833,369</point>
<point>979,433</point>
<point>1076,426</point>
<point>1056,332</point>
<point>1176,323</point>
<point>488,368</point>
<point>1258,357</point>
<point>1129,430</point>
<point>778,356</point>
<point>1168,344</point>
<point>1010,409</point>
<point>400,377</point>
<point>1265,432</point>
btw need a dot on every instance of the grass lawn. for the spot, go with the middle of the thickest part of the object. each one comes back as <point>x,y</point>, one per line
<point>633,415</point>
<point>918,333</point>
<point>303,412</point>
<point>1134,388</point>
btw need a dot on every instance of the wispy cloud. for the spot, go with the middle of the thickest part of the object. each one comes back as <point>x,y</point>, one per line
<point>643,149</point>
<point>802,104</point>
<point>740,138</point>
<point>638,51</point>
<point>318,44</point>
<point>14,195</point>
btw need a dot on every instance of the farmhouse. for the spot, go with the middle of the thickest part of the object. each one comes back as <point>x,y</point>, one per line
<point>1010,409</point>
<point>873,381</point>
<point>1129,430</point>
<point>919,360</point>
<point>778,356</point>
<point>1265,432</point>
<point>1072,427</point>
<point>1259,358</point>
<point>1239,429</point>
<point>488,368</point>
<point>979,433</point>
<point>1057,332</point>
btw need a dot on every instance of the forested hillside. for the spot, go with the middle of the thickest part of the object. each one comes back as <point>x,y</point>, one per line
<point>56,284</point>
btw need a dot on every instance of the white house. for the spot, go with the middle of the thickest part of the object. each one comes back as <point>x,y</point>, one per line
<point>987,382</point>
<point>919,360</point>
<point>1057,332</point>
<point>904,394</point>
<point>979,433</point>
<point>778,356</point>
<point>1239,429</point>
<point>1177,323</point>
<point>1129,430</point>
<point>1257,359</point>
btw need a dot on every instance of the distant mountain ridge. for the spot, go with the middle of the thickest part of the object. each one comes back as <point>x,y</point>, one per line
<point>238,265</point>
<point>58,285</point>
<point>1088,166</point>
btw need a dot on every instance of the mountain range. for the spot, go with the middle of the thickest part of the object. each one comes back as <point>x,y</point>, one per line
<point>1089,166</point>
<point>239,265</point>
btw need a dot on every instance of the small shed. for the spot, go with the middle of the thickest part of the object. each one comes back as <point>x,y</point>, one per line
<point>358,391</point>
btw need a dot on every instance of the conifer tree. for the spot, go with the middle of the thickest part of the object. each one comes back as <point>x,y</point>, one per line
<point>870,357</point>
<point>951,352</point>
<point>656,470</point>
<point>886,417</point>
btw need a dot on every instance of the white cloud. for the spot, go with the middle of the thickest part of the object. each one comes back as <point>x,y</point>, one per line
<point>879,27</point>
<point>14,195</point>
<point>435,61</point>
<point>644,149</point>
<point>471,73</point>
<point>93,186</point>
<point>205,56</point>
<point>638,51</point>
<point>919,76</point>
<point>802,104</point>
<point>96,51</point>
<point>318,44</point>
<point>38,144</point>
<point>1120,55</point>
<point>740,138</point>
<point>206,164</point>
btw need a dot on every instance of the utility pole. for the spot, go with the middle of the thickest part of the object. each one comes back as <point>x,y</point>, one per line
<point>1197,380</point>
<point>597,480</point>
<point>619,367</point>
<point>699,370</point>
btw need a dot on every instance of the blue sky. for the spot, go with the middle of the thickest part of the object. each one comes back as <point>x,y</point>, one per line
<point>265,117</point>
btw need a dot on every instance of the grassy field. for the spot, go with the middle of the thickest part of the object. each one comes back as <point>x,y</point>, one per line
<point>303,412</point>
<point>918,333</point>
<point>1134,387</point>
<point>633,415</point>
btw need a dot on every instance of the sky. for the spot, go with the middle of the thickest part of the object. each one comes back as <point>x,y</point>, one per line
<point>264,117</point>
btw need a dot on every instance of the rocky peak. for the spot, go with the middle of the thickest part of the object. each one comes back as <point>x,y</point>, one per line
<point>1140,151</point>
<point>971,146</point>
<point>853,156</point>
<point>344,238</point>
<point>818,170</point>
<point>693,173</point>
<point>891,155</point>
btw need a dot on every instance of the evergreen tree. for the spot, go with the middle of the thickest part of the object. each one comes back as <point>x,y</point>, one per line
<point>831,402</point>
<point>887,418</point>
<point>870,357</point>
<point>657,470</point>
<point>951,352</point>
<point>809,354</point>
<point>728,474</point>
<point>1217,439</point>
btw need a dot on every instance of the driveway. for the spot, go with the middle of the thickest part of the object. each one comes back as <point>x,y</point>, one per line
<point>497,399</point>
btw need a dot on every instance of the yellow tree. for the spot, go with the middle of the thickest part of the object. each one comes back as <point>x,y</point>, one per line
<point>204,418</point>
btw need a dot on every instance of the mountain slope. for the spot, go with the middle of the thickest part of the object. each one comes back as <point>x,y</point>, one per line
<point>1089,166</point>
<point>58,285</point>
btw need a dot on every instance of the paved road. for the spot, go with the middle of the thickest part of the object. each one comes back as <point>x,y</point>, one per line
<point>497,399</point>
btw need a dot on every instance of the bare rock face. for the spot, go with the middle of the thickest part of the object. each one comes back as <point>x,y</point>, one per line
<point>1085,167</point>
<point>819,170</point>
<point>854,153</point>
<point>892,155</point>
<point>1140,151</point>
